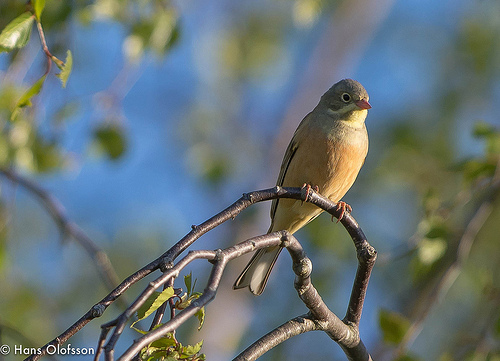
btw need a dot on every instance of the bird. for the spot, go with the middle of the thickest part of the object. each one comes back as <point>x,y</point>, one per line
<point>326,152</point>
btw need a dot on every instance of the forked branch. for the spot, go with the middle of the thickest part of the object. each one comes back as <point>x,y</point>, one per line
<point>345,332</point>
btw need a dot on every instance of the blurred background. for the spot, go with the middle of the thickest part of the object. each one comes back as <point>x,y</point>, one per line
<point>175,108</point>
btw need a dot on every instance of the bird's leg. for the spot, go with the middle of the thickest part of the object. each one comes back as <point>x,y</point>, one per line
<point>342,207</point>
<point>306,188</point>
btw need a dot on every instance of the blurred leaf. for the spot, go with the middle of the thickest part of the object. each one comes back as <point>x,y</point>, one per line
<point>46,155</point>
<point>133,48</point>
<point>483,129</point>
<point>153,303</point>
<point>477,168</point>
<point>66,69</point>
<point>252,47</point>
<point>393,325</point>
<point>306,12</point>
<point>159,33</point>
<point>25,100</point>
<point>9,96</point>
<point>165,31</point>
<point>5,150</point>
<point>67,111</point>
<point>491,136</point>
<point>478,43</point>
<point>431,250</point>
<point>17,33</point>
<point>38,5</point>
<point>111,140</point>
<point>438,230</point>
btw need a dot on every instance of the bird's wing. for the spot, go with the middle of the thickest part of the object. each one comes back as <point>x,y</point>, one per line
<point>287,159</point>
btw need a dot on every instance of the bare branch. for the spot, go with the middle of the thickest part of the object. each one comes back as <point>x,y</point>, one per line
<point>289,329</point>
<point>344,332</point>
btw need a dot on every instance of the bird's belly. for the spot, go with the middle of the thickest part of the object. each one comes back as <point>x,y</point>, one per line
<point>291,215</point>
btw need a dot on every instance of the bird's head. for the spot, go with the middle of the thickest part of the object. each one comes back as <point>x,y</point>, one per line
<point>347,100</point>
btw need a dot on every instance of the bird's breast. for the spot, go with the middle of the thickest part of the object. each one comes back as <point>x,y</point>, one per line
<point>330,161</point>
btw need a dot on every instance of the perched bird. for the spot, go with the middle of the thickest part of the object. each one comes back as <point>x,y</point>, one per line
<point>327,151</point>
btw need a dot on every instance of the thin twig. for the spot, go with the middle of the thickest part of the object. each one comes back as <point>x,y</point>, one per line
<point>68,227</point>
<point>45,48</point>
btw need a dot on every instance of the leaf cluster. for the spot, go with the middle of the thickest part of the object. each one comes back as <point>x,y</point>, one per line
<point>168,348</point>
<point>16,36</point>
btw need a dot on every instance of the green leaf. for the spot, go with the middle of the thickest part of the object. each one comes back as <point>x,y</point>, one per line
<point>393,325</point>
<point>191,350</point>
<point>164,342</point>
<point>142,332</point>
<point>186,301</point>
<point>25,100</point>
<point>17,33</point>
<point>38,5</point>
<point>187,282</point>
<point>201,317</point>
<point>153,302</point>
<point>111,140</point>
<point>65,69</point>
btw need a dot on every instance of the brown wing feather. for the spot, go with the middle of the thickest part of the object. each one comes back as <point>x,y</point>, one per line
<point>287,159</point>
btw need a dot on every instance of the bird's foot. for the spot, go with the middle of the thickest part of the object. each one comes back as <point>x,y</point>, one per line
<point>342,207</point>
<point>306,189</point>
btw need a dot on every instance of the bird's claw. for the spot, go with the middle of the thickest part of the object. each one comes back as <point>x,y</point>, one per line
<point>306,189</point>
<point>342,207</point>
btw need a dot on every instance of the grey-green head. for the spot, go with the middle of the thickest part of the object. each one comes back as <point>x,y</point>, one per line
<point>346,96</point>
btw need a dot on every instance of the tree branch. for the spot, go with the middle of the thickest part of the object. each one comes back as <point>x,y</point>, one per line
<point>343,332</point>
<point>67,227</point>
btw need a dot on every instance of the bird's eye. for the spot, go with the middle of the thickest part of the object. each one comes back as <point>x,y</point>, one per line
<point>346,97</point>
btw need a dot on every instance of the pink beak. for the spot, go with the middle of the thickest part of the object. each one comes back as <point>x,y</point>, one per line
<point>363,104</point>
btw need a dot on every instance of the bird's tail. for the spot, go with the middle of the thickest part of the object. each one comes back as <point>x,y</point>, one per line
<point>258,269</point>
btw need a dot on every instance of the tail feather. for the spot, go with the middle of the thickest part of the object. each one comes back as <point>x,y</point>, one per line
<point>258,269</point>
